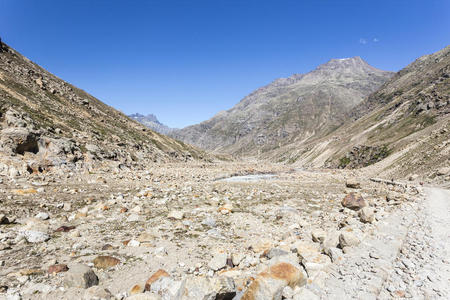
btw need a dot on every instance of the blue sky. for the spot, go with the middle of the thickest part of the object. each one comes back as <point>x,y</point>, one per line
<point>186,60</point>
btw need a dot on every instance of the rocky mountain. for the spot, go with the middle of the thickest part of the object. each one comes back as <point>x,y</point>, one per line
<point>46,122</point>
<point>288,109</point>
<point>401,129</point>
<point>152,122</point>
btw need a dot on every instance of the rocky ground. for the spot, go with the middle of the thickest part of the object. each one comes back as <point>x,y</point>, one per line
<point>186,231</point>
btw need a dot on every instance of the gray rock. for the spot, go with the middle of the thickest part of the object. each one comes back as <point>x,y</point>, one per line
<point>353,183</point>
<point>305,294</point>
<point>348,239</point>
<point>276,252</point>
<point>318,235</point>
<point>331,241</point>
<point>97,292</point>
<point>3,219</point>
<point>335,254</point>
<point>367,215</point>
<point>168,288</point>
<point>80,276</point>
<point>209,221</point>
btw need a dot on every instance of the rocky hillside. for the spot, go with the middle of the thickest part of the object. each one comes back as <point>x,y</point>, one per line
<point>152,122</point>
<point>46,122</point>
<point>288,109</point>
<point>404,127</point>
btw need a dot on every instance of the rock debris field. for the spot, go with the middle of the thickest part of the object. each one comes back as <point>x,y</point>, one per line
<point>180,231</point>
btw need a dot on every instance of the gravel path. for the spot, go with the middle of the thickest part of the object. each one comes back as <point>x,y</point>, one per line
<point>422,269</point>
<point>406,257</point>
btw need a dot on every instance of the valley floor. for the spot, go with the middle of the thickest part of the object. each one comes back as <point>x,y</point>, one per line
<point>214,236</point>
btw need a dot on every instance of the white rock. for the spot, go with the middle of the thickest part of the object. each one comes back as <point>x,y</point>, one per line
<point>133,218</point>
<point>134,243</point>
<point>36,236</point>
<point>218,261</point>
<point>175,215</point>
<point>43,216</point>
<point>168,288</point>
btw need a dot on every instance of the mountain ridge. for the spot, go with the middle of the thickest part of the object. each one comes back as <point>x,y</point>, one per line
<point>279,111</point>
<point>152,122</point>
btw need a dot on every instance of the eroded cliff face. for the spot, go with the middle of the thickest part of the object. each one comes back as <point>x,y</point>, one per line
<point>289,109</point>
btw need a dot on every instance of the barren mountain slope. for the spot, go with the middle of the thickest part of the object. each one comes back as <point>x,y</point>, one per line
<point>47,122</point>
<point>407,121</point>
<point>288,109</point>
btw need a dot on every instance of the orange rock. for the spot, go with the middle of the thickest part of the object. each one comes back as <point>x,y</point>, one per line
<point>25,192</point>
<point>158,274</point>
<point>105,262</point>
<point>271,282</point>
<point>286,272</point>
<point>80,215</point>
<point>137,289</point>
<point>123,210</point>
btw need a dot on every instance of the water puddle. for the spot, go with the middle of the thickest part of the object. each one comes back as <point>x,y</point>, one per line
<point>248,178</point>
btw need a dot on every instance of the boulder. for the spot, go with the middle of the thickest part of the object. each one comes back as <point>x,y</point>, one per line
<point>175,215</point>
<point>3,219</point>
<point>367,215</point>
<point>53,269</point>
<point>353,201</point>
<point>97,292</point>
<point>353,183</point>
<point>80,276</point>
<point>168,288</point>
<point>155,276</point>
<point>443,171</point>
<point>33,236</point>
<point>318,235</point>
<point>348,239</point>
<point>105,262</point>
<point>218,288</point>
<point>219,261</point>
<point>270,283</point>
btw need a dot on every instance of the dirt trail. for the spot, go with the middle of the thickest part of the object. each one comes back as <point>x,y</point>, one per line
<point>438,206</point>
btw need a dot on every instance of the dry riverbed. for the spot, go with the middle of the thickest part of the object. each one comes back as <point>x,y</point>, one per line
<point>192,231</point>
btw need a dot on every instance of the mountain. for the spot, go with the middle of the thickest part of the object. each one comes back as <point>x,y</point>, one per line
<point>46,122</point>
<point>152,122</point>
<point>403,128</point>
<point>287,110</point>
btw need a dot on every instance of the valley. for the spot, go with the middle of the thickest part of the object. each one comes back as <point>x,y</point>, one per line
<point>325,185</point>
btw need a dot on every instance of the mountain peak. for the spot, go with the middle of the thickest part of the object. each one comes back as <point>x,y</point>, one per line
<point>349,62</point>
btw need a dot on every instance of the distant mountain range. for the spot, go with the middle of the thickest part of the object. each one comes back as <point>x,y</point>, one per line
<point>288,110</point>
<point>152,122</point>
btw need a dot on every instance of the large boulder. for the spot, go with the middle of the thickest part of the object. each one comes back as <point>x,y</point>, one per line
<point>209,289</point>
<point>354,201</point>
<point>80,276</point>
<point>270,283</point>
<point>18,141</point>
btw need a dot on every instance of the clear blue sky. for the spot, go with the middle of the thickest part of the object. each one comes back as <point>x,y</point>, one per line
<point>186,60</point>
